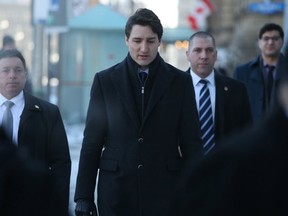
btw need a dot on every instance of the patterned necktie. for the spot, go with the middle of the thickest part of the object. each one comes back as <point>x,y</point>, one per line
<point>7,121</point>
<point>206,118</point>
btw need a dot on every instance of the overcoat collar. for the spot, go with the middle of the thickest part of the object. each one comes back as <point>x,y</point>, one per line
<point>256,73</point>
<point>120,78</point>
<point>256,70</point>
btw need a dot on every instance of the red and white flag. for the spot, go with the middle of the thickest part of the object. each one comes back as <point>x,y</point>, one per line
<point>199,13</point>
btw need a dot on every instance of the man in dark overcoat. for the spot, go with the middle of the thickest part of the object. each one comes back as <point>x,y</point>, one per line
<point>138,132</point>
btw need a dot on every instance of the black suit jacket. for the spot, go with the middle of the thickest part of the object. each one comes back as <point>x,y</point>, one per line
<point>139,161</point>
<point>232,109</point>
<point>252,76</point>
<point>247,176</point>
<point>42,138</point>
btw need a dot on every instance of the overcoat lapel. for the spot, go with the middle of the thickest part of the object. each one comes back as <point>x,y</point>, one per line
<point>256,75</point>
<point>121,81</point>
<point>163,79</point>
<point>256,83</point>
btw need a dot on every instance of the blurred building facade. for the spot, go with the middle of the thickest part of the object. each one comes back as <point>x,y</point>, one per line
<point>95,41</point>
<point>236,25</point>
<point>15,20</point>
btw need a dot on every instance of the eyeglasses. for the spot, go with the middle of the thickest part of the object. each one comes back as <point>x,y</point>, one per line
<point>274,39</point>
<point>17,71</point>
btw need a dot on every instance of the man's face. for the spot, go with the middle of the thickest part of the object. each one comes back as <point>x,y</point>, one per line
<point>202,55</point>
<point>12,76</point>
<point>270,43</point>
<point>143,44</point>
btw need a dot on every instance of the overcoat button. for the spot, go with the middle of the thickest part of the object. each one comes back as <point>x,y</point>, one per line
<point>140,140</point>
<point>140,166</point>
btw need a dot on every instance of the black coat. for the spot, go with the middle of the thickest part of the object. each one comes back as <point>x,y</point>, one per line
<point>42,138</point>
<point>245,177</point>
<point>139,161</point>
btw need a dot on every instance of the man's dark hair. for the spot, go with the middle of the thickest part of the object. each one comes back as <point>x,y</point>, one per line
<point>7,39</point>
<point>13,53</point>
<point>144,17</point>
<point>271,27</point>
<point>202,34</point>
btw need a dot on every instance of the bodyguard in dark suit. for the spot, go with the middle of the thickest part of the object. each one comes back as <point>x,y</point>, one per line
<point>229,99</point>
<point>138,133</point>
<point>247,176</point>
<point>38,130</point>
<point>255,74</point>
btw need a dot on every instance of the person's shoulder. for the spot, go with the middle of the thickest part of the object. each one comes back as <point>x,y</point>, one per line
<point>39,103</point>
<point>248,65</point>
<point>231,81</point>
<point>172,69</point>
<point>111,69</point>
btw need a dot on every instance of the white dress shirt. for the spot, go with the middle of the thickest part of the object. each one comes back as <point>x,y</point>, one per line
<point>211,86</point>
<point>16,110</point>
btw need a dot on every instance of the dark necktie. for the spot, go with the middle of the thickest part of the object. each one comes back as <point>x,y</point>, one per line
<point>270,80</point>
<point>143,76</point>
<point>206,118</point>
<point>7,121</point>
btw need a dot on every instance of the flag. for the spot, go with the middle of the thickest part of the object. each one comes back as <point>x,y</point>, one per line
<point>199,13</point>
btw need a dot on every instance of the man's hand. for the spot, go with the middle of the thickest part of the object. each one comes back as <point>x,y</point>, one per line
<point>85,208</point>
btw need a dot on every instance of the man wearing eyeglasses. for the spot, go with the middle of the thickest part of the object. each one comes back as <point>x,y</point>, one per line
<point>262,74</point>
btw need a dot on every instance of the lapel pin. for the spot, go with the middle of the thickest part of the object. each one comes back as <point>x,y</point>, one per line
<point>36,106</point>
<point>225,88</point>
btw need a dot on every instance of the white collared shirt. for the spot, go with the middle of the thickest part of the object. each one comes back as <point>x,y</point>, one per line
<point>211,85</point>
<point>16,110</point>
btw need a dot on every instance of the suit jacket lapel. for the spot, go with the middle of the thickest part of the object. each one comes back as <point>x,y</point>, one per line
<point>31,106</point>
<point>221,89</point>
